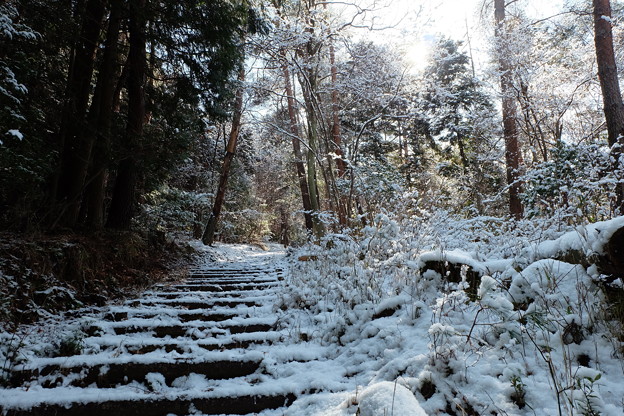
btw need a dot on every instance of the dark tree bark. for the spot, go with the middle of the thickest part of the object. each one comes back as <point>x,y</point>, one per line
<point>336,134</point>
<point>300,167</point>
<point>211,227</point>
<point>611,95</point>
<point>335,128</point>
<point>510,129</point>
<point>284,227</point>
<point>309,87</point>
<point>122,82</point>
<point>122,203</point>
<point>308,79</point>
<point>75,154</point>
<point>100,119</point>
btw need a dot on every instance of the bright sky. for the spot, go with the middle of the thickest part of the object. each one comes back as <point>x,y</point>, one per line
<point>419,22</point>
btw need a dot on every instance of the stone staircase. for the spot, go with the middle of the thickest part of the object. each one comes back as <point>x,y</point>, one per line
<point>195,347</point>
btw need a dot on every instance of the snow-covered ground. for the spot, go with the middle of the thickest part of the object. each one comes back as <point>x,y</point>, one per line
<point>535,340</point>
<point>364,330</point>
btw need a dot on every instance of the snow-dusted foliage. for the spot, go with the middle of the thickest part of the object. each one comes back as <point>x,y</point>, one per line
<point>509,327</point>
<point>169,209</point>
<point>577,182</point>
<point>11,90</point>
<point>183,202</point>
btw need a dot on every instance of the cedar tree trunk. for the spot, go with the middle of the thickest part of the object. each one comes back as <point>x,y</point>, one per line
<point>611,96</point>
<point>510,129</point>
<point>122,203</point>
<point>300,167</point>
<point>100,119</point>
<point>75,154</point>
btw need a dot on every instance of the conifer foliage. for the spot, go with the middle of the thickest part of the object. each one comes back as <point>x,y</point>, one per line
<point>103,99</point>
<point>108,108</point>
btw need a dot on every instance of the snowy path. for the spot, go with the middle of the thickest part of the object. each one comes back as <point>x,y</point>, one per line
<point>202,346</point>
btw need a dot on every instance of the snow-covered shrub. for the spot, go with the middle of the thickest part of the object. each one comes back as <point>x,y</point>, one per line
<point>11,90</point>
<point>385,398</point>
<point>576,184</point>
<point>71,344</point>
<point>516,345</point>
<point>585,397</point>
<point>172,209</point>
<point>169,209</point>
<point>10,354</point>
<point>244,226</point>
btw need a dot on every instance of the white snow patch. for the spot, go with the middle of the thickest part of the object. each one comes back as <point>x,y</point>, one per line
<point>389,398</point>
<point>16,133</point>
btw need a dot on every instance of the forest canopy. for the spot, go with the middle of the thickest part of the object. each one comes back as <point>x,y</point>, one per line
<point>117,114</point>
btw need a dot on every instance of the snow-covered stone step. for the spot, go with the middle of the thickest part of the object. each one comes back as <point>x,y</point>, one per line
<point>237,275</point>
<point>202,303</point>
<point>160,405</point>
<point>225,273</point>
<point>217,276</point>
<point>122,344</point>
<point>236,267</point>
<point>243,277</point>
<point>109,375</point>
<point>234,278</point>
<point>217,287</point>
<point>267,296</point>
<point>181,348</point>
<point>121,313</point>
<point>198,295</point>
<point>206,294</point>
<point>234,320</point>
<point>182,316</point>
<point>195,332</point>
<point>233,344</point>
<point>247,272</point>
<point>233,281</point>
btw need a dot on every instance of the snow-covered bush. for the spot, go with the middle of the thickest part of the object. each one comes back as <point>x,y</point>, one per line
<point>10,346</point>
<point>575,185</point>
<point>543,318</point>
<point>531,339</point>
<point>247,225</point>
<point>11,90</point>
<point>172,209</point>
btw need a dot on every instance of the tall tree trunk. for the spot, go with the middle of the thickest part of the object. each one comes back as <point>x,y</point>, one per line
<point>611,95</point>
<point>336,135</point>
<point>100,118</point>
<point>308,89</point>
<point>122,83</point>
<point>75,153</point>
<point>510,129</point>
<point>122,203</point>
<point>284,227</point>
<point>294,130</point>
<point>308,81</point>
<point>209,232</point>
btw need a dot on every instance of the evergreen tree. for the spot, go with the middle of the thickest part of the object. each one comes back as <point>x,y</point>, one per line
<point>453,100</point>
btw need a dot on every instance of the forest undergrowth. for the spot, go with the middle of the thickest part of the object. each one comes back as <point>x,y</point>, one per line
<point>474,316</point>
<point>42,276</point>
